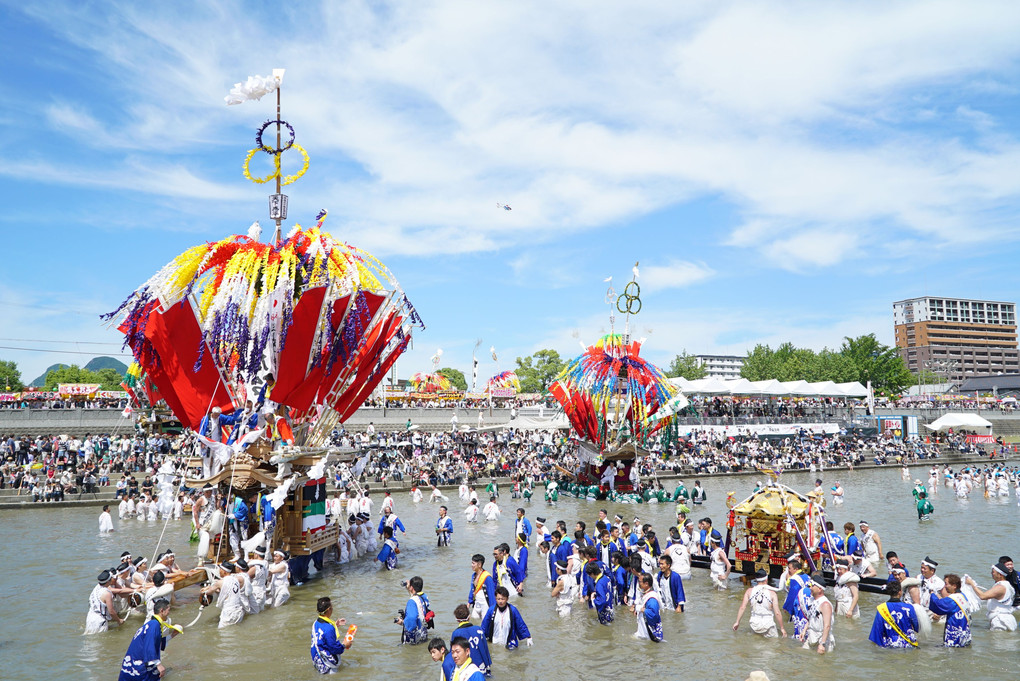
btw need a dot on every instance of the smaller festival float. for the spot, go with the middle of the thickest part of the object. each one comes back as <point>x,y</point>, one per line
<point>775,522</point>
<point>617,404</point>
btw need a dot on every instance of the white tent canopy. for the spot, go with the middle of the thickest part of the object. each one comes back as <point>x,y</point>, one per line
<point>971,422</point>
<point>741,386</point>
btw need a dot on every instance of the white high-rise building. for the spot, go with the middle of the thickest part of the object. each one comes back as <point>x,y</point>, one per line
<point>721,366</point>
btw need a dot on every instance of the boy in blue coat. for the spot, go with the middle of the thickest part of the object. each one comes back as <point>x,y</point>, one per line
<point>475,638</point>
<point>390,548</point>
<point>601,598</point>
<point>439,653</point>
<point>327,641</point>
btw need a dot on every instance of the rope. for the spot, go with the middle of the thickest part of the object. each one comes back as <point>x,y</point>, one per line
<point>166,519</point>
<point>230,488</point>
<point>184,478</point>
<point>192,622</point>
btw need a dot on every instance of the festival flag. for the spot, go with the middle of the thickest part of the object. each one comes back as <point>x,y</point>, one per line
<point>313,516</point>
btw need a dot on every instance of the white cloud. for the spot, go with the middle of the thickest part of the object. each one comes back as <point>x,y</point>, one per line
<point>134,175</point>
<point>815,248</point>
<point>72,118</point>
<point>799,114</point>
<point>677,274</point>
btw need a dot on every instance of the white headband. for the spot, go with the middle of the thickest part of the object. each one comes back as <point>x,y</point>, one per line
<point>279,553</point>
<point>924,562</point>
<point>996,568</point>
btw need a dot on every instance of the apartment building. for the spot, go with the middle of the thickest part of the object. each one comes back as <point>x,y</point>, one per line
<point>956,338</point>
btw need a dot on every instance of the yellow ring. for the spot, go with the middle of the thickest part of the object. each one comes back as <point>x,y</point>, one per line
<point>296,176</point>
<point>259,180</point>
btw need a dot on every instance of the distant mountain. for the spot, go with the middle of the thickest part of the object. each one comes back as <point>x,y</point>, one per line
<point>107,363</point>
<point>41,381</point>
<point>94,364</point>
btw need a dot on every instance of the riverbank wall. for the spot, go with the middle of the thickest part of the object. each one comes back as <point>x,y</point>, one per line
<point>9,498</point>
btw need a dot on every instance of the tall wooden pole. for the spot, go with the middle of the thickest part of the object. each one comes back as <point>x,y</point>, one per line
<point>279,187</point>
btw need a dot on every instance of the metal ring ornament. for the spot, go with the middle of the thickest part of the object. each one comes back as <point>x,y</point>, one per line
<point>629,301</point>
<point>273,150</point>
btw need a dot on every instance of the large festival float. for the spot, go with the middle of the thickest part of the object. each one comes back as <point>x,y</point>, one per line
<point>284,339</point>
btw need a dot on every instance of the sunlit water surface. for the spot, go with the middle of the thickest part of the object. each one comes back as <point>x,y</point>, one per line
<point>51,557</point>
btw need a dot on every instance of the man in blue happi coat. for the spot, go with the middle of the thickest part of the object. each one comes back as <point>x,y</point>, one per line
<point>143,661</point>
<point>328,643</point>
<point>951,604</point>
<point>415,618</point>
<point>669,586</point>
<point>895,624</point>
<point>503,624</point>
<point>601,598</point>
<point>795,581</point>
<point>475,638</point>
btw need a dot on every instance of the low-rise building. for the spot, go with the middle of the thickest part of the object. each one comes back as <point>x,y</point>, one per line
<point>721,366</point>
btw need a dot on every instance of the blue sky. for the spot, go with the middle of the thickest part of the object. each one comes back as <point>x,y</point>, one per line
<point>782,170</point>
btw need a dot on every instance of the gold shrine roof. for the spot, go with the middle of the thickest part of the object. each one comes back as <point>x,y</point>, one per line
<point>773,500</point>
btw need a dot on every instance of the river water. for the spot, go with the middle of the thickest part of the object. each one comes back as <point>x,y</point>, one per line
<point>51,557</point>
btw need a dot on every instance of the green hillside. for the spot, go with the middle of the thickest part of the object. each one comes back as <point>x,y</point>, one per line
<point>41,381</point>
<point>98,363</point>
<point>95,364</point>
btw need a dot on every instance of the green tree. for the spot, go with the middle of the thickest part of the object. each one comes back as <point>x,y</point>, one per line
<point>536,372</point>
<point>10,376</point>
<point>686,366</point>
<point>834,366</point>
<point>789,363</point>
<point>759,365</point>
<point>925,377</point>
<point>108,379</point>
<point>456,377</point>
<point>878,363</point>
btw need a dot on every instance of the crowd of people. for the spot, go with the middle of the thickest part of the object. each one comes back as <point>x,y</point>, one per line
<point>605,567</point>
<point>1006,405</point>
<point>77,403</point>
<point>775,409</point>
<point>611,565</point>
<point>460,402</point>
<point>48,468</point>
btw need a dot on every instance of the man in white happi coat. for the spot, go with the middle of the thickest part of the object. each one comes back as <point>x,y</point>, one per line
<point>231,601</point>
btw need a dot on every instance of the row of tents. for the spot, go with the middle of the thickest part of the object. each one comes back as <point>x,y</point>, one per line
<point>771,388</point>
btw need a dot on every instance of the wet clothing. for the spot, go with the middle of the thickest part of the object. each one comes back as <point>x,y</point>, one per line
<point>895,626</point>
<point>957,622</point>
<point>479,646</point>
<point>415,625</point>
<point>505,627</point>
<point>649,616</point>
<point>143,654</point>
<point>327,645</point>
